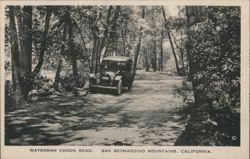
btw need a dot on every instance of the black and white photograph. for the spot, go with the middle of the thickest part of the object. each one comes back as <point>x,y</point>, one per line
<point>122,75</point>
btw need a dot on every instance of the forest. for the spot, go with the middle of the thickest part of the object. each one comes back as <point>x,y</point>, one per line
<point>51,50</point>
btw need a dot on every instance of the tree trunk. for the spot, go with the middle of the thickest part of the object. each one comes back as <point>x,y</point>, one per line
<point>161,53</point>
<point>70,42</point>
<point>146,59</point>
<point>98,50</point>
<point>27,43</point>
<point>112,39</point>
<point>104,39</point>
<point>58,72</point>
<point>43,43</point>
<point>191,63</point>
<point>175,57</point>
<point>59,67</point>
<point>22,49</point>
<point>14,56</point>
<point>171,43</point>
<point>83,44</point>
<point>182,57</point>
<point>181,53</point>
<point>154,58</point>
<point>93,57</point>
<point>138,46</point>
<point>124,37</point>
<point>26,51</point>
<point>97,68</point>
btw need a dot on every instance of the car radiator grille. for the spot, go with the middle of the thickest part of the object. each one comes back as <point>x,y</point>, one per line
<point>105,83</point>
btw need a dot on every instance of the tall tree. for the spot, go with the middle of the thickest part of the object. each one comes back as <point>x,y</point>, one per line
<point>70,42</point>
<point>161,52</point>
<point>21,47</point>
<point>138,46</point>
<point>113,33</point>
<point>59,67</point>
<point>191,19</point>
<point>60,59</point>
<point>154,58</point>
<point>180,48</point>
<point>105,36</point>
<point>96,31</point>
<point>14,55</point>
<point>146,59</point>
<point>43,43</point>
<point>170,40</point>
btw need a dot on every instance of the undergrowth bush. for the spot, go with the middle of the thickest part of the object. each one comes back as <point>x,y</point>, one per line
<point>214,51</point>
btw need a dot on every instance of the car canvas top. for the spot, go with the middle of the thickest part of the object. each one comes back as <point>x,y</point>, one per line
<point>117,58</point>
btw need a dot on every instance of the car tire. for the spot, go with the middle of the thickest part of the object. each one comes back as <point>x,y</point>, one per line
<point>119,87</point>
<point>129,87</point>
<point>91,89</point>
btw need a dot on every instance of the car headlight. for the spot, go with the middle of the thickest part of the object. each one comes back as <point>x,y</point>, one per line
<point>105,78</point>
<point>118,78</point>
<point>91,75</point>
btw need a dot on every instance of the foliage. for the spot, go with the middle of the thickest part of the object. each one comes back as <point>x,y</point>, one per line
<point>67,83</point>
<point>68,34</point>
<point>42,88</point>
<point>215,50</point>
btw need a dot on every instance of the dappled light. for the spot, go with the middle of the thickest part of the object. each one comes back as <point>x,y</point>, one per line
<point>134,118</point>
<point>122,75</point>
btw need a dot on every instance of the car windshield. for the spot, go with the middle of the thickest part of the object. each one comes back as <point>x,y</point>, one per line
<point>113,66</point>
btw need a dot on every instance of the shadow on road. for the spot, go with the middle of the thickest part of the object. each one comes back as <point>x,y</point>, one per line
<point>147,115</point>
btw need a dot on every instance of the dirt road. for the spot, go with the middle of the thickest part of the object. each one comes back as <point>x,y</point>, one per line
<point>147,115</point>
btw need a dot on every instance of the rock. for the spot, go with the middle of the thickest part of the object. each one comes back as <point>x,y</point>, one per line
<point>41,92</point>
<point>51,90</point>
<point>33,92</point>
<point>86,86</point>
<point>50,84</point>
<point>34,98</point>
<point>45,87</point>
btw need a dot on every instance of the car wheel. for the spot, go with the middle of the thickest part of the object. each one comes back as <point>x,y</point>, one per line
<point>129,87</point>
<point>119,87</point>
<point>91,90</point>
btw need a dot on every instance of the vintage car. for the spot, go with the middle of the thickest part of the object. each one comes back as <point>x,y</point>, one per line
<point>115,73</point>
